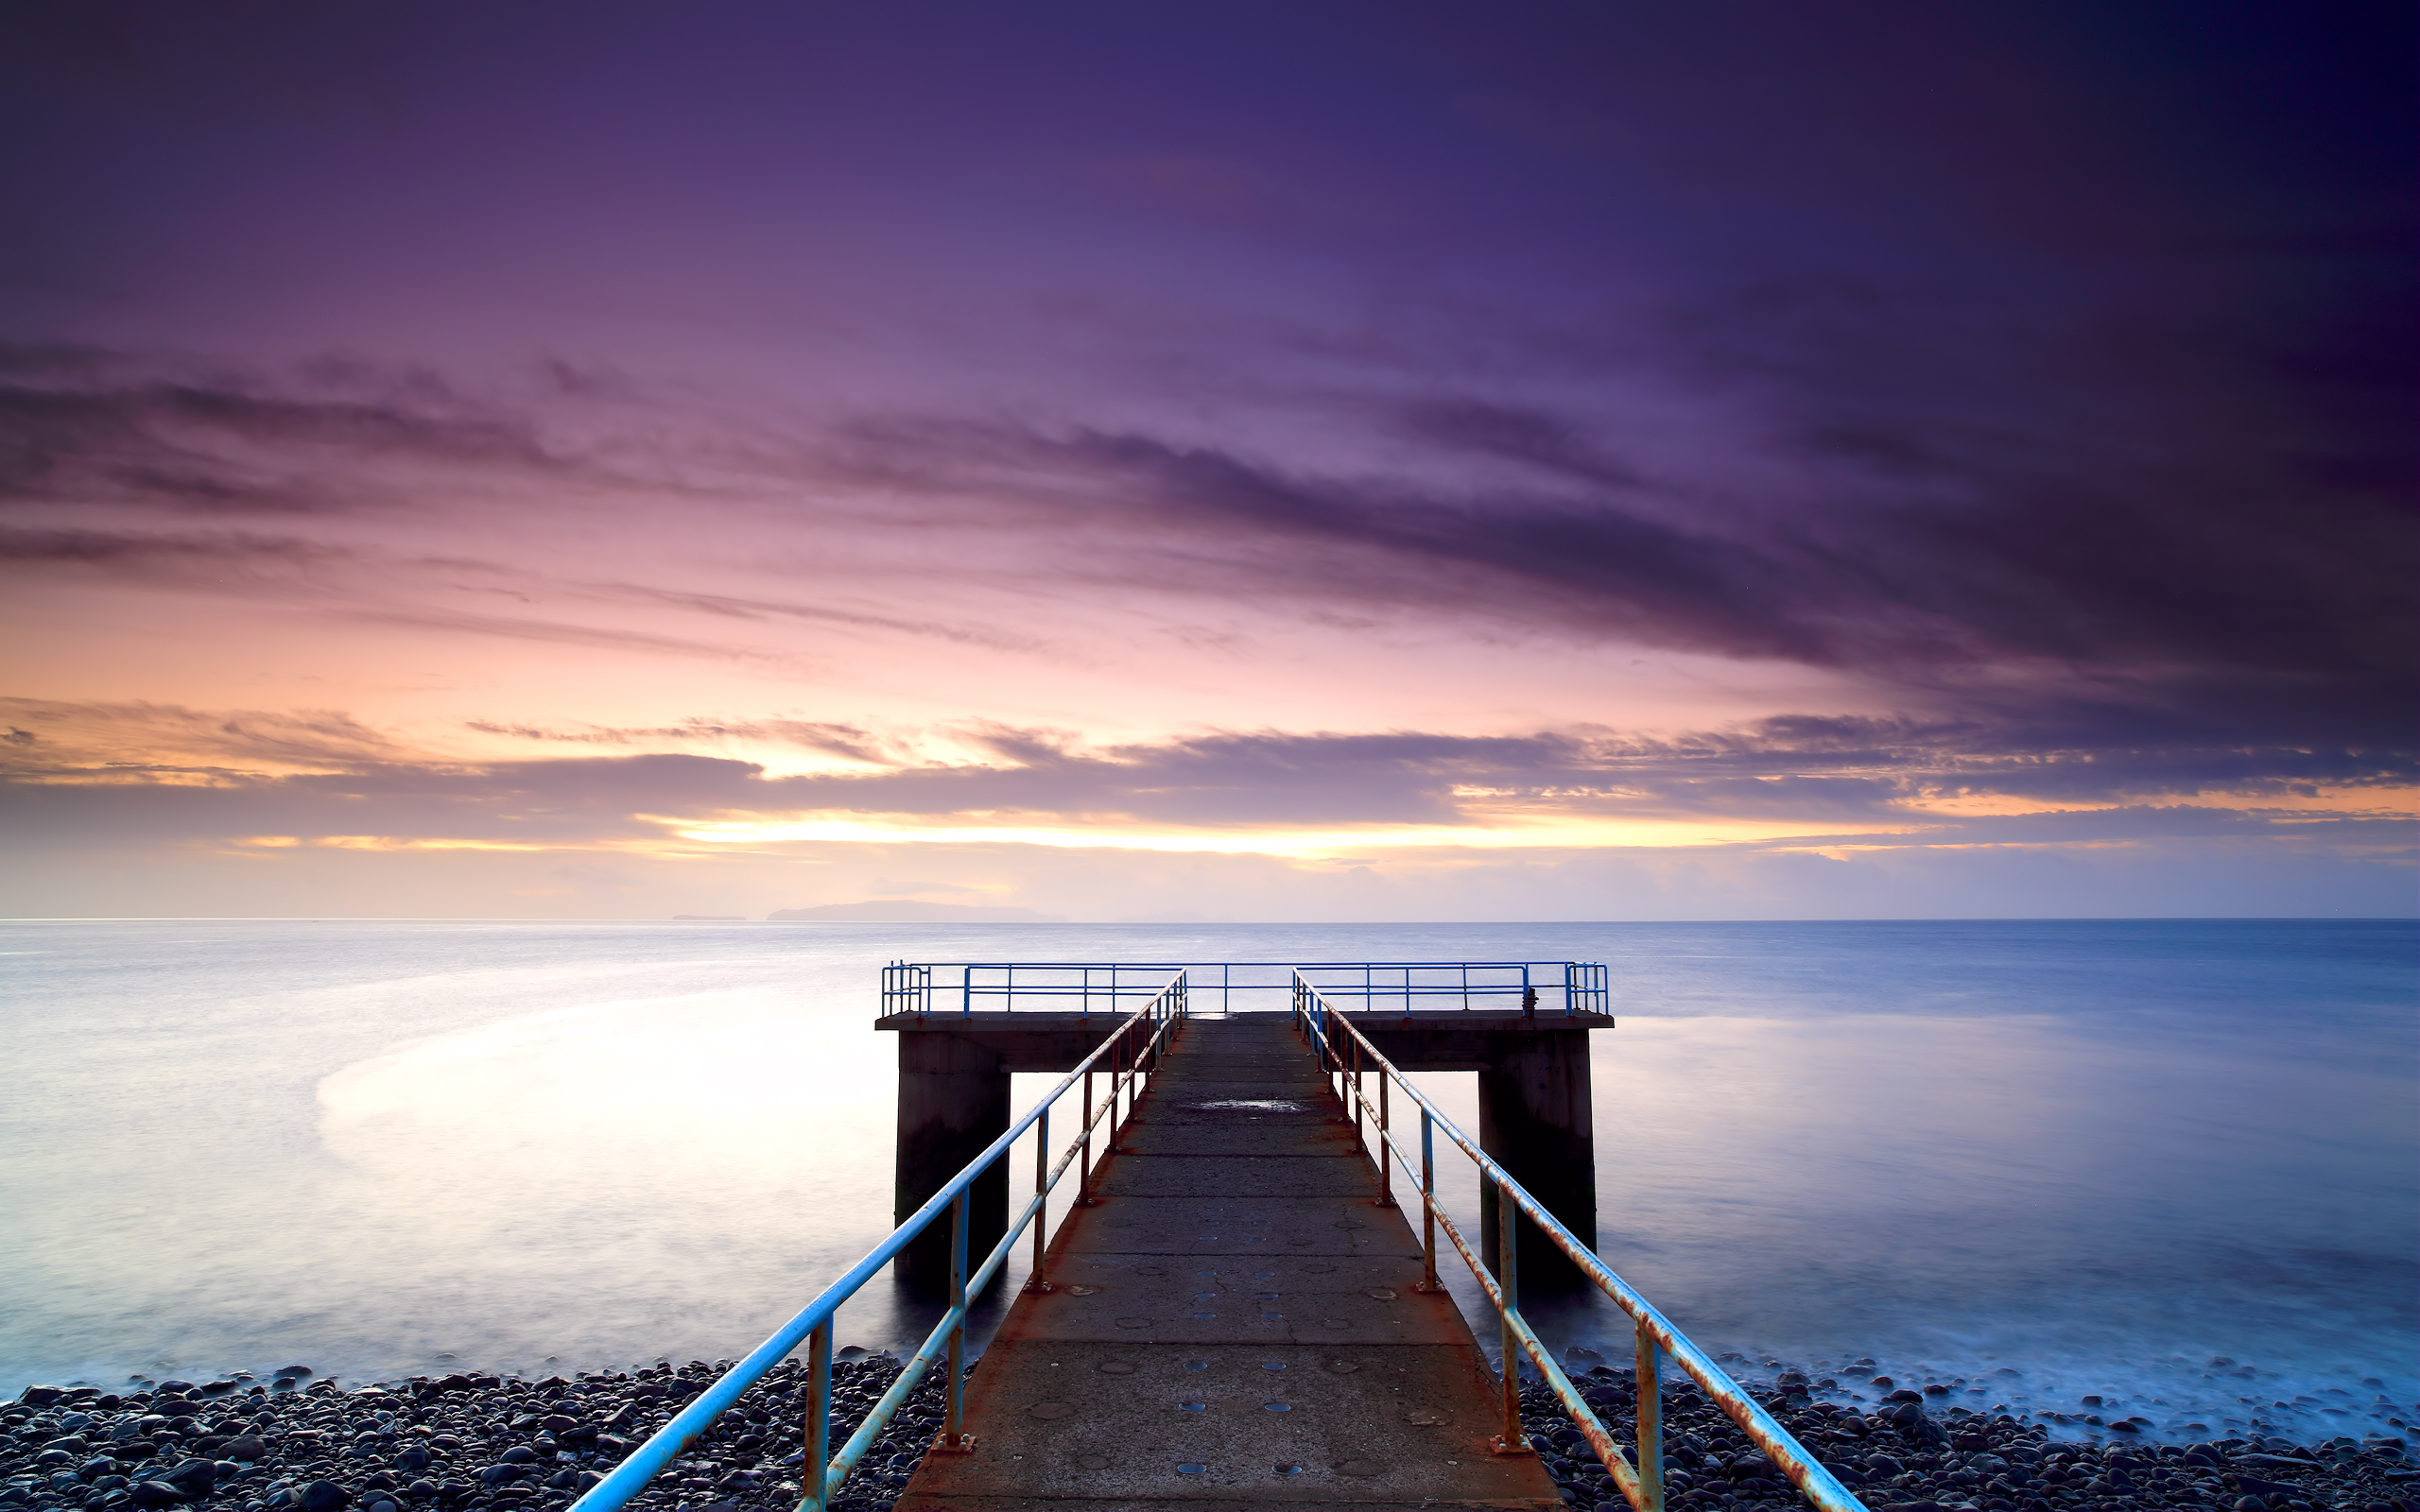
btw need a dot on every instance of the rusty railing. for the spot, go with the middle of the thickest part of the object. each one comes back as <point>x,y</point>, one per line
<point>1346,1053</point>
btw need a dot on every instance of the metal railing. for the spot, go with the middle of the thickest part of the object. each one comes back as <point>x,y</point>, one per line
<point>1134,1049</point>
<point>1346,1053</point>
<point>923,987</point>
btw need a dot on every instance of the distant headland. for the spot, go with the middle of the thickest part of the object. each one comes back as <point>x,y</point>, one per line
<point>907,910</point>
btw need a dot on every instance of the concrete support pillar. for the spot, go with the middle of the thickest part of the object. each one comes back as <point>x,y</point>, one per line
<point>1534,1118</point>
<point>953,1102</point>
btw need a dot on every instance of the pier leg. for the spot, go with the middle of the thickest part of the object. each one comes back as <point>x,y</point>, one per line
<point>953,1102</point>
<point>1534,1117</point>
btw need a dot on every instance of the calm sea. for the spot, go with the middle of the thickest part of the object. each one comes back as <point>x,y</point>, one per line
<point>2103,1155</point>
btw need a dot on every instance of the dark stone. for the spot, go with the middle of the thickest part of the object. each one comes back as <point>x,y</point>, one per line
<point>324,1496</point>
<point>195,1477</point>
<point>519,1454</point>
<point>40,1396</point>
<point>2257,1486</point>
<point>154,1494</point>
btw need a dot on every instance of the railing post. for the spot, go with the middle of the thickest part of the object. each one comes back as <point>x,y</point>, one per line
<point>1084,1197</point>
<point>1386,1151</point>
<point>954,1389</point>
<point>1428,1204</point>
<point>1508,1279</point>
<point>1359,1138</point>
<point>1651,1421</point>
<point>1116,1085</point>
<point>1040,1279</point>
<point>816,1467</point>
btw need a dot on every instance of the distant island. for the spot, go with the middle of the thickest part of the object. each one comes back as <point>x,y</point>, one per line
<point>909,911</point>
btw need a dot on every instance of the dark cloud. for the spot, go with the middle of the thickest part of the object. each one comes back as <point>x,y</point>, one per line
<point>730,607</point>
<point>2229,588</point>
<point>155,555</point>
<point>86,427</point>
<point>848,740</point>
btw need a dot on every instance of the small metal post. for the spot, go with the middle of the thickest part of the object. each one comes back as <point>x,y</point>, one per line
<point>1358,1137</point>
<point>1651,1421</point>
<point>1386,1151</point>
<point>1084,1197</point>
<point>1508,1279</point>
<point>816,1467</point>
<point>1117,1083</point>
<point>1040,1279</point>
<point>1428,1204</point>
<point>954,1389</point>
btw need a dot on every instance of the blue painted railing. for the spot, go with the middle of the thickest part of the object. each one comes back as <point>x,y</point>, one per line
<point>965,987</point>
<point>1348,1056</point>
<point>1132,1050</point>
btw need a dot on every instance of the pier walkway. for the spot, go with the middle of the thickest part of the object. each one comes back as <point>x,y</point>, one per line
<point>1235,1323</point>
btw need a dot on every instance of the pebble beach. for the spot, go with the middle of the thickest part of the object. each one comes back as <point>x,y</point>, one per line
<point>480,1441</point>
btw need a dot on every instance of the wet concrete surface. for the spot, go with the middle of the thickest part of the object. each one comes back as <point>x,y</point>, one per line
<point>1237,1324</point>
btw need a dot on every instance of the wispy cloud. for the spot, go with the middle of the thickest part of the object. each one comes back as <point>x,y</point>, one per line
<point>1869,778</point>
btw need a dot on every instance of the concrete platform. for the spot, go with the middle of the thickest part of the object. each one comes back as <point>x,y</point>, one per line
<point>1234,1325</point>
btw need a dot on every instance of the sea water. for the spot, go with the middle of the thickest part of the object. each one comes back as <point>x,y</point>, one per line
<point>2169,1164</point>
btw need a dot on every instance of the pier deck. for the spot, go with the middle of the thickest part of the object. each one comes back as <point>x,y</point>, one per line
<point>1234,1325</point>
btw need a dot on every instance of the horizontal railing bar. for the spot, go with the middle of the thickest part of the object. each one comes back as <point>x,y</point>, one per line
<point>1284,965</point>
<point>662,1447</point>
<point>1805,1471</point>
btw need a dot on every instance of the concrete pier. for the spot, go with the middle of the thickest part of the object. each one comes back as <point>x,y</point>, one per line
<point>1534,1110</point>
<point>1237,1324</point>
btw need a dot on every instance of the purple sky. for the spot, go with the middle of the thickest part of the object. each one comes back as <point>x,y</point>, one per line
<point>1210,461</point>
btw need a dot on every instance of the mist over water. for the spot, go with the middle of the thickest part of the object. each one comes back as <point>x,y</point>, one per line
<point>2101,1154</point>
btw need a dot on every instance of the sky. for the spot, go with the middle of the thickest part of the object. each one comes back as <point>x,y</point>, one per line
<point>1221,462</point>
